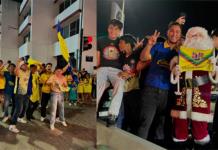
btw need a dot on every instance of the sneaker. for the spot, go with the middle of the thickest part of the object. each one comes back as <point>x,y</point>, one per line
<point>57,119</point>
<point>111,120</point>
<point>5,119</point>
<point>42,119</point>
<point>21,120</point>
<point>64,123</point>
<point>75,104</point>
<point>52,127</point>
<point>70,104</point>
<point>13,128</point>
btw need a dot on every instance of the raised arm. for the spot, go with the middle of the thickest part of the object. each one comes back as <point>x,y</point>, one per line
<point>146,52</point>
<point>17,69</point>
<point>66,67</point>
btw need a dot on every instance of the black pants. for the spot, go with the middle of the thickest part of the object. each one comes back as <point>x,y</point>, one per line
<point>44,103</point>
<point>21,105</point>
<point>131,111</point>
<point>153,105</point>
<point>13,104</point>
<point>31,108</point>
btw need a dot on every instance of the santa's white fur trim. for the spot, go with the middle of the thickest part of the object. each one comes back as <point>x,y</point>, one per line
<point>197,116</point>
<point>179,140</point>
<point>203,141</point>
<point>181,114</point>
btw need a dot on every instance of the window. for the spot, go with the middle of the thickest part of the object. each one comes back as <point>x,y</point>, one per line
<point>72,1</point>
<point>61,7</point>
<point>26,38</point>
<point>66,33</point>
<point>65,4</point>
<point>74,27</point>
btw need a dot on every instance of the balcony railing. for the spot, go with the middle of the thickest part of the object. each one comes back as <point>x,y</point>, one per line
<point>69,11</point>
<point>24,49</point>
<point>22,5</point>
<point>25,23</point>
<point>72,44</point>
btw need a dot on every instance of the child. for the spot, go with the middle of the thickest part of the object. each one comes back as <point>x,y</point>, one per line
<point>80,88</point>
<point>72,84</point>
<point>88,88</point>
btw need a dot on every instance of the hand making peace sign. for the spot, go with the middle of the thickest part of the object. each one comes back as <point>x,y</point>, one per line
<point>153,38</point>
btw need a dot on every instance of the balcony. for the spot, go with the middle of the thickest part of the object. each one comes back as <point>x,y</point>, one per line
<point>25,23</point>
<point>24,49</point>
<point>72,44</point>
<point>23,4</point>
<point>76,6</point>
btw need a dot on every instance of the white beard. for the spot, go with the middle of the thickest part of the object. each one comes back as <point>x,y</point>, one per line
<point>201,43</point>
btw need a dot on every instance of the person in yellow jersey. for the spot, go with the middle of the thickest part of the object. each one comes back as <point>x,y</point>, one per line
<point>2,83</point>
<point>88,88</point>
<point>33,87</point>
<point>21,96</point>
<point>46,89</point>
<point>80,88</point>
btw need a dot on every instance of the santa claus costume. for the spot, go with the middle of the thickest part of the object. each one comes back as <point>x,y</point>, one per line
<point>192,106</point>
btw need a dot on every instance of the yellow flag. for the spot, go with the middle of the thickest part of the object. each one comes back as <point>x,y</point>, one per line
<point>63,47</point>
<point>191,59</point>
<point>32,61</point>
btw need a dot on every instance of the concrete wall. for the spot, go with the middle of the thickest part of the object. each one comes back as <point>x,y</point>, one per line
<point>116,139</point>
<point>9,38</point>
<point>43,33</point>
<point>90,29</point>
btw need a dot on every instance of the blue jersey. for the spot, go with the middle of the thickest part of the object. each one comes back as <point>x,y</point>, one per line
<point>158,75</point>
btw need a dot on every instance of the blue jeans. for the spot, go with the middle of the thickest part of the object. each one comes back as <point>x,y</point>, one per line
<point>21,105</point>
<point>6,104</point>
<point>120,118</point>
<point>57,100</point>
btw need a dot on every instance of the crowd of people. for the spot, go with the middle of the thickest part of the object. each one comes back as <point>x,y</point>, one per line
<point>27,86</point>
<point>143,98</point>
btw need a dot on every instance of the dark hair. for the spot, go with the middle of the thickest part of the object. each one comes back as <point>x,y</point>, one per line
<point>12,64</point>
<point>48,64</point>
<point>58,67</point>
<point>214,33</point>
<point>129,39</point>
<point>174,24</point>
<point>1,61</point>
<point>117,23</point>
<point>33,66</point>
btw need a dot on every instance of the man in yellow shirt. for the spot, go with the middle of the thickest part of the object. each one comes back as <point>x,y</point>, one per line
<point>34,92</point>
<point>46,89</point>
<point>21,96</point>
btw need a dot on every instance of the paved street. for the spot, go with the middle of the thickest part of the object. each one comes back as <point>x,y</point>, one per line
<point>36,135</point>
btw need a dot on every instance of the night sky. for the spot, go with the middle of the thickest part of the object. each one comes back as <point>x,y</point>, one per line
<point>142,17</point>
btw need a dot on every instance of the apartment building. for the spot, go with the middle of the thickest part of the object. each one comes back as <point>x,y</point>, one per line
<point>9,29</point>
<point>78,19</point>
